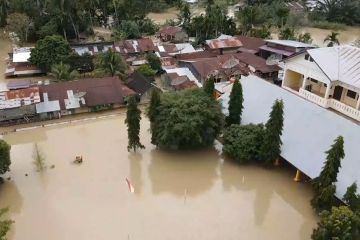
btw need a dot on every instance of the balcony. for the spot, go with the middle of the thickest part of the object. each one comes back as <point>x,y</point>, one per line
<point>344,109</point>
<point>312,97</point>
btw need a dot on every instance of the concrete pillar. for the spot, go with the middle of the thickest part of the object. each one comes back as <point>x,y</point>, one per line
<point>284,78</point>
<point>297,177</point>
<point>358,104</point>
<point>304,82</point>
<point>328,88</point>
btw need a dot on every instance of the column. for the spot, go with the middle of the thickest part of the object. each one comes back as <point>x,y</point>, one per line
<point>297,177</point>
<point>358,103</point>
<point>328,88</point>
<point>304,82</point>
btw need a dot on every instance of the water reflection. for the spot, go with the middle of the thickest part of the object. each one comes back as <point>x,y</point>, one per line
<point>193,172</point>
<point>135,161</point>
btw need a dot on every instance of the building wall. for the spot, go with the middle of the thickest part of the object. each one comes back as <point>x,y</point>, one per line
<point>293,79</point>
<point>306,68</point>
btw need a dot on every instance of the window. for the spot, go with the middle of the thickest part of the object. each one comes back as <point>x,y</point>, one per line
<point>325,85</point>
<point>351,94</point>
<point>313,80</point>
<point>311,59</point>
<point>307,56</point>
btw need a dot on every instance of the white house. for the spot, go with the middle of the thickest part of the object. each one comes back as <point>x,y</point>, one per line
<point>309,130</point>
<point>329,77</point>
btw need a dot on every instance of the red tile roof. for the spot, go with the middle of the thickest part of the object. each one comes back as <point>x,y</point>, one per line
<point>225,43</point>
<point>135,46</point>
<point>99,91</point>
<point>251,44</point>
<point>195,55</point>
<point>170,30</point>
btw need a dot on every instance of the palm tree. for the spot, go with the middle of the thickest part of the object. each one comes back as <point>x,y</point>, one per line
<point>61,72</point>
<point>332,39</point>
<point>111,63</point>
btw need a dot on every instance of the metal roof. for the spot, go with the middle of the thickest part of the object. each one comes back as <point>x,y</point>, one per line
<point>340,63</point>
<point>309,130</point>
<point>290,43</point>
<point>21,55</point>
<point>184,72</point>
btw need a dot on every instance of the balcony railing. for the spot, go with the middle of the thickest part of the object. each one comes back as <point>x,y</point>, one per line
<point>314,98</point>
<point>344,109</point>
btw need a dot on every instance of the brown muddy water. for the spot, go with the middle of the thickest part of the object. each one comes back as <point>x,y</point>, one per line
<point>177,196</point>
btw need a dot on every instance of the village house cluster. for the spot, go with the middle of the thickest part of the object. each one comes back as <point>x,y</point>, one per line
<point>326,76</point>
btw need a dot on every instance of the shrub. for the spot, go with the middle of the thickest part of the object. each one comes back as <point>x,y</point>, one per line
<point>243,143</point>
<point>188,119</point>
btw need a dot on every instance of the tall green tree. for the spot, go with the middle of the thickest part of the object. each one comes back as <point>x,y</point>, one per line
<point>153,110</point>
<point>49,51</point>
<point>4,224</point>
<point>324,184</point>
<point>235,104</point>
<point>341,223</point>
<point>111,63</point>
<point>4,157</point>
<point>133,118</point>
<point>352,199</point>
<point>209,87</point>
<point>332,39</point>
<point>271,148</point>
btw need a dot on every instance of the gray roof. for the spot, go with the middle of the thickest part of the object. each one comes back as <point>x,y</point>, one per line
<point>309,130</point>
<point>290,43</point>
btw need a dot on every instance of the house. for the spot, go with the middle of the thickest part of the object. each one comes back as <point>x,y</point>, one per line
<point>140,84</point>
<point>181,73</point>
<point>194,55</point>
<point>255,64</point>
<point>309,130</point>
<point>19,97</point>
<point>172,34</point>
<point>250,44</point>
<point>329,77</point>
<point>223,46</point>
<point>18,63</point>
<point>177,83</point>
<point>86,95</point>
<point>295,6</point>
<point>222,68</point>
<point>91,48</point>
<point>135,47</point>
<point>276,50</point>
<point>20,114</point>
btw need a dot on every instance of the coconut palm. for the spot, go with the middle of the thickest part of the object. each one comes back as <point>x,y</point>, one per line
<point>62,72</point>
<point>332,39</point>
<point>111,63</point>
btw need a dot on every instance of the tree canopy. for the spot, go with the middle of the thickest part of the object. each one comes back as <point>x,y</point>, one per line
<point>188,119</point>
<point>209,87</point>
<point>110,63</point>
<point>340,223</point>
<point>49,51</point>
<point>242,143</point>
<point>4,224</point>
<point>4,157</point>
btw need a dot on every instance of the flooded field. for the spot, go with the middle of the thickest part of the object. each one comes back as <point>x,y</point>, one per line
<point>347,36</point>
<point>177,196</point>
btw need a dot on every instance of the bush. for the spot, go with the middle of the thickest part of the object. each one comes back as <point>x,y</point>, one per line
<point>188,119</point>
<point>243,143</point>
<point>340,223</point>
<point>4,157</point>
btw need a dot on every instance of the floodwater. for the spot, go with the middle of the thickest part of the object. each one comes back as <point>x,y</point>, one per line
<point>177,196</point>
<point>346,36</point>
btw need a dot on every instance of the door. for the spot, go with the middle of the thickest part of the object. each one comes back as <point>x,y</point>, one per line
<point>337,93</point>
